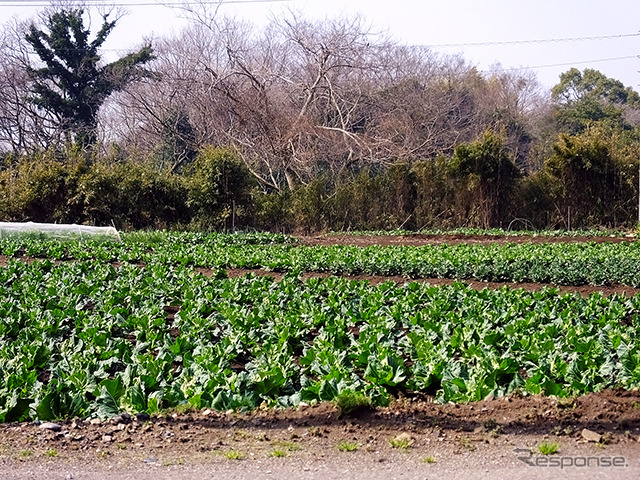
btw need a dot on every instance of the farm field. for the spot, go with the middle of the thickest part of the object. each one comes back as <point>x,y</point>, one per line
<point>172,325</point>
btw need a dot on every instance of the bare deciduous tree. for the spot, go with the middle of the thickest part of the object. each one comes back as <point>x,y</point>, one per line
<point>299,98</point>
<point>22,127</point>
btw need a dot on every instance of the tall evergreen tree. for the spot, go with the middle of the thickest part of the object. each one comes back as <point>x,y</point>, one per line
<point>73,84</point>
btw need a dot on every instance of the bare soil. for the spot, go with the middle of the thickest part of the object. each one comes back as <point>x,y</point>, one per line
<point>453,239</point>
<point>584,290</point>
<point>479,438</point>
<point>494,438</point>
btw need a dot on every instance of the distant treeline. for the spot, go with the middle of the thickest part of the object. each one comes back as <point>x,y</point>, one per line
<point>302,126</point>
<point>582,185</point>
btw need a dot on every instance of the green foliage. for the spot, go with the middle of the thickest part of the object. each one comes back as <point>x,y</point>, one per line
<point>515,230</point>
<point>218,184</point>
<point>347,446</point>
<point>349,402</point>
<point>588,97</point>
<point>273,210</point>
<point>590,181</point>
<point>591,177</point>
<point>308,205</point>
<point>555,263</point>
<point>41,188</point>
<point>372,199</point>
<point>401,442</point>
<point>376,199</point>
<point>532,203</point>
<point>72,85</point>
<point>548,448</point>
<point>489,171</point>
<point>234,455</point>
<point>87,339</point>
<point>132,195</point>
<point>437,204</point>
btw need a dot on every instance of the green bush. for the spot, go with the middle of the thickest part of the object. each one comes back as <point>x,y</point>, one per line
<point>273,210</point>
<point>309,205</point>
<point>218,184</point>
<point>131,195</point>
<point>40,188</point>
<point>590,181</point>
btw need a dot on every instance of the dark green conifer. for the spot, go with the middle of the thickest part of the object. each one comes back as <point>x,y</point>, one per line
<point>72,84</point>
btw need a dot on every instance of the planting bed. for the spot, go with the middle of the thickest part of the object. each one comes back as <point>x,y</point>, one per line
<point>181,327</point>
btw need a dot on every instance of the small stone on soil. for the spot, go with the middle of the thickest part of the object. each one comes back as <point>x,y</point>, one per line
<point>591,436</point>
<point>121,419</point>
<point>54,427</point>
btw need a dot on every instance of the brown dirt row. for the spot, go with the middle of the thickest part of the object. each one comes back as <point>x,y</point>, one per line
<point>453,239</point>
<point>584,290</point>
<point>452,436</point>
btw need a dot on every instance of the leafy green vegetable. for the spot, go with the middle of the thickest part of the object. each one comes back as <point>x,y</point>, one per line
<point>87,338</point>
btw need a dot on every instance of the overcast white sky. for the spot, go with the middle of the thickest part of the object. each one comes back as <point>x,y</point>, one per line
<point>437,22</point>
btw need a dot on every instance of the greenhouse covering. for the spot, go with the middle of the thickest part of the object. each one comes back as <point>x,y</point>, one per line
<point>58,231</point>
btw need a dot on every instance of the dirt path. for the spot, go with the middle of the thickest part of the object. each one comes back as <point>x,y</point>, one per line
<point>478,440</point>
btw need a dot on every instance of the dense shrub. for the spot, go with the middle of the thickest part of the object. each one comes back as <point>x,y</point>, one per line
<point>132,195</point>
<point>219,190</point>
<point>42,188</point>
<point>587,183</point>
